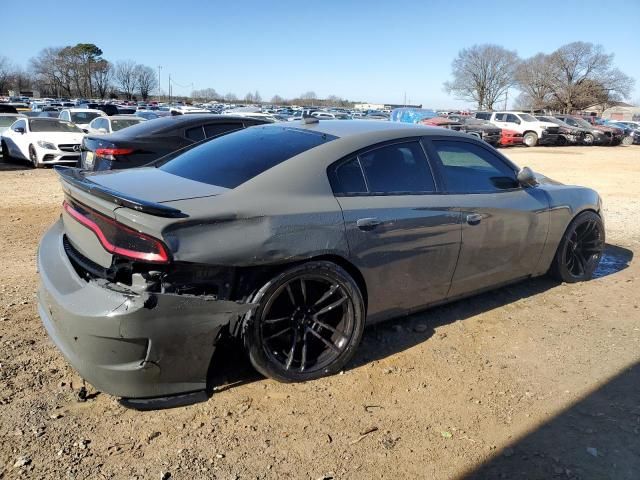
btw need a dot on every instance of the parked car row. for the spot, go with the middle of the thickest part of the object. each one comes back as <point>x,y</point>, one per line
<point>523,128</point>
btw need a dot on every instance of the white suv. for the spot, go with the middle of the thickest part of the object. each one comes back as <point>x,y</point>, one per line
<point>533,130</point>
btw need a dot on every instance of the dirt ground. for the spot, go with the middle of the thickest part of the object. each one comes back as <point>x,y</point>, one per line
<point>538,380</point>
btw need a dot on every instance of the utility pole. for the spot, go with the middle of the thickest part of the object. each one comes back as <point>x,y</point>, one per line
<point>506,97</point>
<point>159,84</point>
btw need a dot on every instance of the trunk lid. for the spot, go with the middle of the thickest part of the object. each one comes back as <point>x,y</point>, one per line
<point>145,191</point>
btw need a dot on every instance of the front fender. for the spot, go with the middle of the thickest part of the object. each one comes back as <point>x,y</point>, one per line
<point>565,204</point>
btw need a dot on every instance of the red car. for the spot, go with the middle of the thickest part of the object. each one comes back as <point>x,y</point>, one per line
<point>510,137</point>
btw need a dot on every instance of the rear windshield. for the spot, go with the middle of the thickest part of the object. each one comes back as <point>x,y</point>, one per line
<point>83,117</point>
<point>233,159</point>
<point>52,126</point>
<point>120,124</point>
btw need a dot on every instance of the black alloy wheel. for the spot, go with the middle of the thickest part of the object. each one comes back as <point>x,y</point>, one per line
<point>308,323</point>
<point>581,248</point>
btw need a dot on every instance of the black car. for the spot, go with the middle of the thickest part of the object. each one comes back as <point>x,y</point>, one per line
<point>567,134</point>
<point>143,143</point>
<point>479,128</point>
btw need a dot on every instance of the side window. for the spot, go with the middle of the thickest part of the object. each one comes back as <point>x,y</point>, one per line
<point>20,124</point>
<point>196,134</point>
<point>398,168</point>
<point>469,168</point>
<point>215,129</point>
<point>483,115</point>
<point>349,178</point>
<point>511,118</point>
<point>501,117</point>
<point>65,116</point>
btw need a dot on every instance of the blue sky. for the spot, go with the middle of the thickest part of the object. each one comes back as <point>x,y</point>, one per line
<point>361,50</point>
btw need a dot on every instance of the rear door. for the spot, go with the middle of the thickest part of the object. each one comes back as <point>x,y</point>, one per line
<point>402,235</point>
<point>504,226</point>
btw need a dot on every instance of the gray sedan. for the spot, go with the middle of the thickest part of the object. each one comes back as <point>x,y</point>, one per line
<point>292,237</point>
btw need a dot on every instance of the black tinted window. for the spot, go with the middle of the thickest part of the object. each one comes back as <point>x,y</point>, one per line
<point>196,134</point>
<point>483,115</point>
<point>349,178</point>
<point>215,129</point>
<point>471,168</point>
<point>231,160</point>
<point>399,168</point>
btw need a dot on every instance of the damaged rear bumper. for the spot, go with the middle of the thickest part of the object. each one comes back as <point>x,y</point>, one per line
<point>128,344</point>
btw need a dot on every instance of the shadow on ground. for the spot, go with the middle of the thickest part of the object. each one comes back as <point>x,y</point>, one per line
<point>230,367</point>
<point>596,438</point>
<point>13,165</point>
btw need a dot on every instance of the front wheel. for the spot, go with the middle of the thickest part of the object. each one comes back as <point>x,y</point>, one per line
<point>588,139</point>
<point>308,323</point>
<point>530,139</point>
<point>33,157</point>
<point>628,140</point>
<point>580,249</point>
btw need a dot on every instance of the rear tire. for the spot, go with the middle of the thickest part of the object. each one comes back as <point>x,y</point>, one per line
<point>530,139</point>
<point>580,249</point>
<point>588,139</point>
<point>308,323</point>
<point>628,140</point>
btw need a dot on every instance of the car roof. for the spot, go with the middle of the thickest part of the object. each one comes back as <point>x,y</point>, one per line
<point>364,128</point>
<point>88,110</point>
<point>164,124</point>
<point>124,117</point>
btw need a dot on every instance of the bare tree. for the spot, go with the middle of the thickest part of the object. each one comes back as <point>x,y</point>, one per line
<point>582,72</point>
<point>146,80</point>
<point>256,97</point>
<point>248,98</point>
<point>230,97</point>
<point>310,95</point>
<point>6,70</point>
<point>277,100</point>
<point>126,77</point>
<point>533,78</point>
<point>482,74</point>
<point>102,74</point>
<point>206,94</point>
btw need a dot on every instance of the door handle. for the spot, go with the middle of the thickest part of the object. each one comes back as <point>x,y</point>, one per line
<point>367,224</point>
<point>474,219</point>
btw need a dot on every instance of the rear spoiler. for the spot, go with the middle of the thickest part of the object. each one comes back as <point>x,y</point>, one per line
<point>75,177</point>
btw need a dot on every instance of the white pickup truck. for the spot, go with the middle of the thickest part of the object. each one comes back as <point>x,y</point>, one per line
<point>534,131</point>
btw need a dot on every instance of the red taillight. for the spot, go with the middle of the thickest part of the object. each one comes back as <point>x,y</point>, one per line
<point>112,152</point>
<point>119,239</point>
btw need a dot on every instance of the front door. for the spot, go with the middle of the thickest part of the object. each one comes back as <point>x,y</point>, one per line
<point>504,226</point>
<point>402,235</point>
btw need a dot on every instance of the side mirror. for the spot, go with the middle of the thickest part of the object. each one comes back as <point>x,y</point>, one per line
<point>517,122</point>
<point>20,130</point>
<point>527,178</point>
<point>85,130</point>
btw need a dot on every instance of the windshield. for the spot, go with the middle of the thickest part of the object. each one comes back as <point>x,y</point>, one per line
<point>120,124</point>
<point>526,117</point>
<point>582,123</point>
<point>233,159</point>
<point>83,117</point>
<point>40,125</point>
<point>7,121</point>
